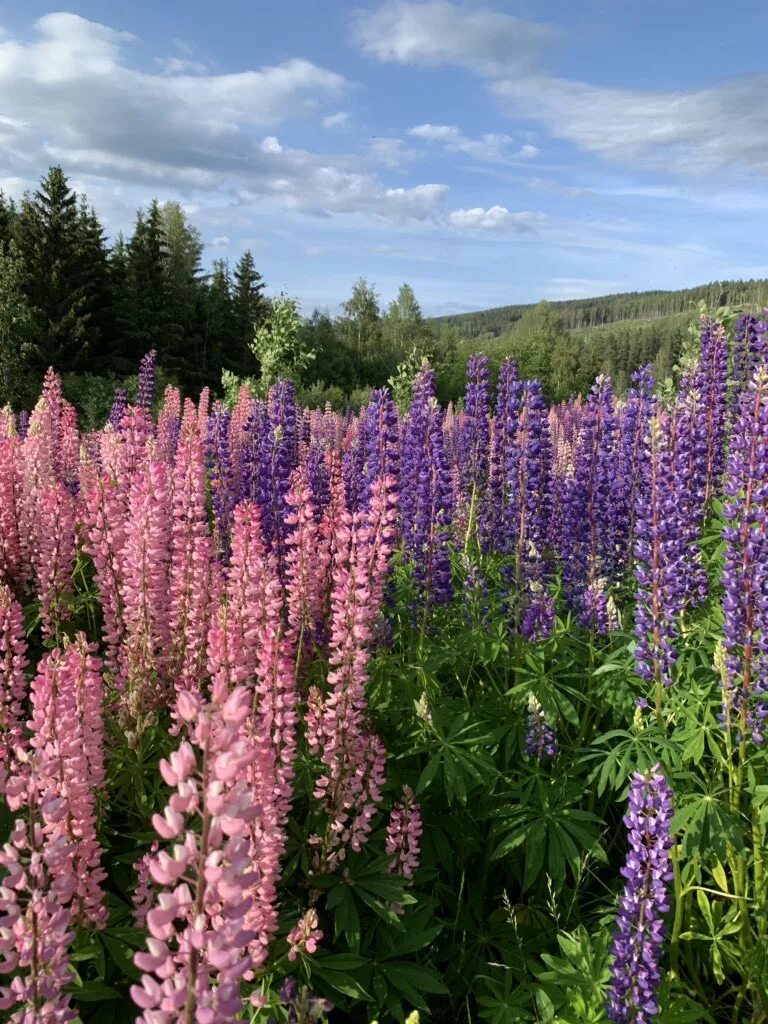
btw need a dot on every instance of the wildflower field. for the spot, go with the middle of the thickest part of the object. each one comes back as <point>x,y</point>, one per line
<point>307,715</point>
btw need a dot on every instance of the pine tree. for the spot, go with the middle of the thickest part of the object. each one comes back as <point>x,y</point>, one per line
<point>248,298</point>
<point>220,330</point>
<point>8,214</point>
<point>95,271</point>
<point>49,236</point>
<point>17,330</point>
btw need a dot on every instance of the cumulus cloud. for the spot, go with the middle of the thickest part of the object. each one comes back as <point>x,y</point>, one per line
<point>338,120</point>
<point>438,32</point>
<point>496,220</point>
<point>494,147</point>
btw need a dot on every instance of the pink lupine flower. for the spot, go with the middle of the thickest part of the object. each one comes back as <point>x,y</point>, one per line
<point>306,564</point>
<point>196,955</point>
<point>54,555</point>
<point>104,513</point>
<point>143,894</point>
<point>403,835</point>
<point>168,421</point>
<point>238,429</point>
<point>144,589</point>
<point>305,936</point>
<point>35,930</point>
<point>337,727</point>
<point>67,766</point>
<point>10,492</point>
<point>13,686</point>
<point>191,555</point>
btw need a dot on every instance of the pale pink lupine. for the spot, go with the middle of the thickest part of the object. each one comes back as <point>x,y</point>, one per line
<point>305,936</point>
<point>191,560</point>
<point>337,726</point>
<point>404,835</point>
<point>10,491</point>
<point>143,895</point>
<point>307,562</point>
<point>54,554</point>
<point>238,427</point>
<point>168,421</point>
<point>66,762</point>
<point>104,513</point>
<point>13,686</point>
<point>144,589</point>
<point>197,948</point>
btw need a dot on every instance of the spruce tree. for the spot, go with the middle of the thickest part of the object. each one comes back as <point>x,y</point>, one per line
<point>49,236</point>
<point>17,331</point>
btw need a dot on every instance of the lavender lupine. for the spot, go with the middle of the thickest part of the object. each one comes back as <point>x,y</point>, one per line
<point>660,552</point>
<point>638,941</point>
<point>540,738</point>
<point>380,430</point>
<point>475,431</point>
<point>525,528</point>
<point>413,447</point>
<point>278,456</point>
<point>630,476</point>
<point>745,604</point>
<point>502,431</point>
<point>750,349</point>
<point>429,543</point>
<point>590,527</point>
<point>711,380</point>
<point>145,389</point>
<point>119,406</point>
<point>220,475</point>
<point>690,475</point>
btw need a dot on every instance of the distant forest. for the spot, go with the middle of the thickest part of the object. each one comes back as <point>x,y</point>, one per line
<point>90,307</point>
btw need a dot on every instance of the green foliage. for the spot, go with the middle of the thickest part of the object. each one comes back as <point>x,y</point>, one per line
<point>277,343</point>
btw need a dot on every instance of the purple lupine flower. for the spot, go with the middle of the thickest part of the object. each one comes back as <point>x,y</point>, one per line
<point>221,476</point>
<point>319,480</point>
<point>429,544</point>
<point>503,428</point>
<point>413,446</point>
<point>633,452</point>
<point>524,530</point>
<point>23,423</point>
<point>539,616</point>
<point>540,739</point>
<point>475,434</point>
<point>711,380</point>
<point>745,604</point>
<point>590,526</point>
<point>353,466</point>
<point>660,552</point>
<point>278,457</point>
<point>145,391</point>
<point>380,436</point>
<point>638,942</point>
<point>254,432</point>
<point>119,405</point>
<point>750,348</point>
<point>689,472</point>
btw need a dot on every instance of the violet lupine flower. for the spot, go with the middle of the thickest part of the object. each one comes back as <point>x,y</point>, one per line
<point>590,528</point>
<point>277,458</point>
<point>750,348</point>
<point>711,380</point>
<point>429,544</point>
<point>660,553</point>
<point>690,475</point>
<point>745,604</point>
<point>23,423</point>
<point>13,685</point>
<point>196,957</point>
<point>145,389</point>
<point>380,438</point>
<point>223,491</point>
<point>169,424</point>
<point>119,406</point>
<point>524,529</point>
<point>404,834</point>
<point>475,436</point>
<point>502,431</point>
<point>540,739</point>
<point>638,942</point>
<point>630,476</point>
<point>353,462</point>
<point>413,447</point>
<point>319,479</point>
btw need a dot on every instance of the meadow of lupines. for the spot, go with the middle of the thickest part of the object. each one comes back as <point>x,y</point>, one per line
<point>307,715</point>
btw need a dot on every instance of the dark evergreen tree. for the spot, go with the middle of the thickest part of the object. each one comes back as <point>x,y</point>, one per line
<point>221,339</point>
<point>248,297</point>
<point>7,216</point>
<point>49,235</point>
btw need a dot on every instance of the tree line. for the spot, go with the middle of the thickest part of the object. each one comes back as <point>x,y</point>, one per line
<point>71,299</point>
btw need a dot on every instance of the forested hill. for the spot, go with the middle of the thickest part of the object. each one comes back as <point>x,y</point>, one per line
<point>577,314</point>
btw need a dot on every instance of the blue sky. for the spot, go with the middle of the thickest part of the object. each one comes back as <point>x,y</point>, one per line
<point>485,152</point>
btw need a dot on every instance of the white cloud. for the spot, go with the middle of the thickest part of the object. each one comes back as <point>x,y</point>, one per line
<point>493,147</point>
<point>180,66</point>
<point>437,32</point>
<point>495,220</point>
<point>313,250</point>
<point>220,242</point>
<point>338,120</point>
